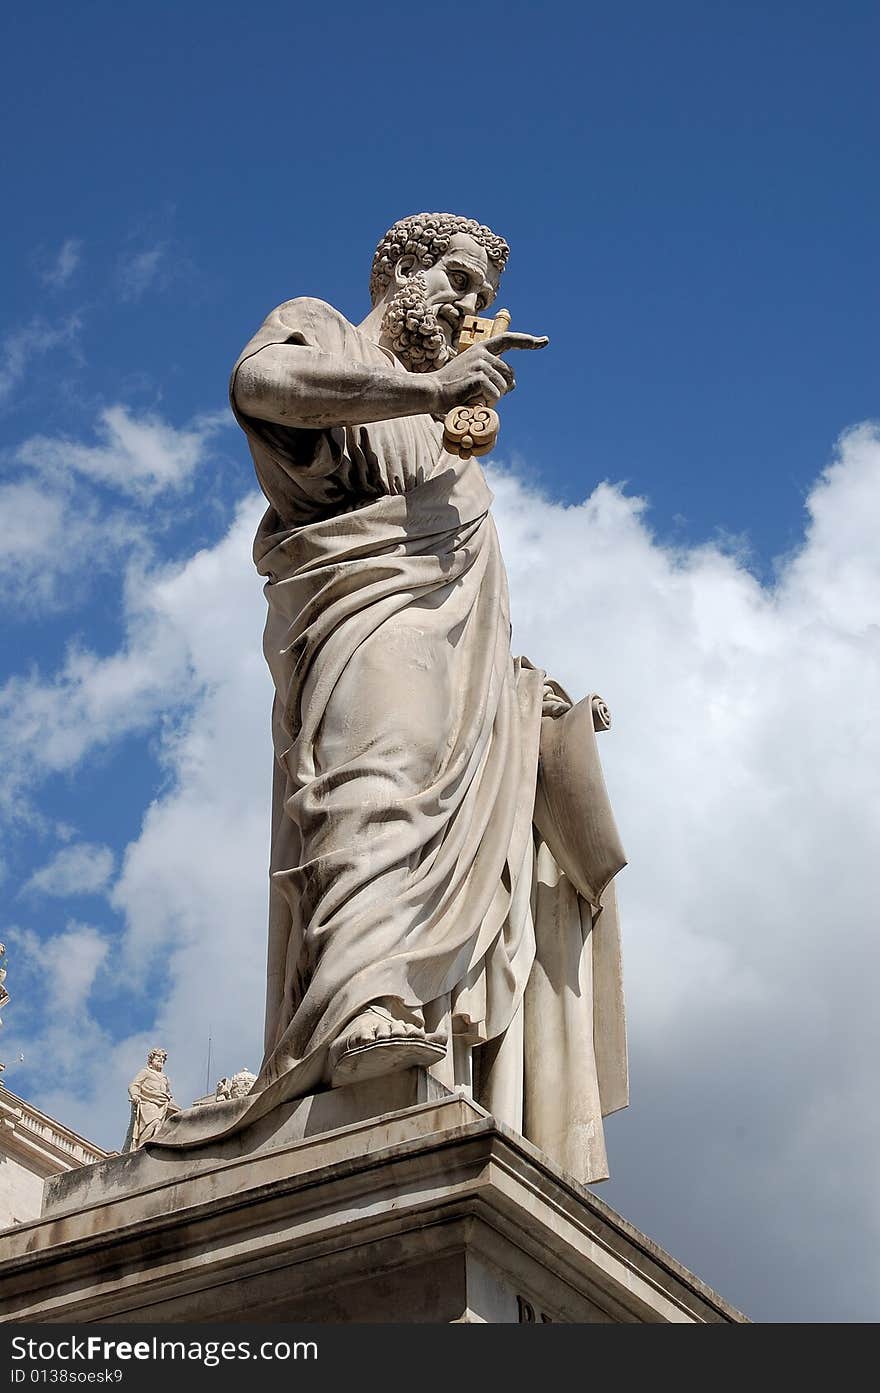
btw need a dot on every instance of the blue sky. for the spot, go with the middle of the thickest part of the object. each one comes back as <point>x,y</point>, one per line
<point>691,196</point>
<point>690,190</point>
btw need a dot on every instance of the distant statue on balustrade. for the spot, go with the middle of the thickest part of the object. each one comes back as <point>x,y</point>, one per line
<point>151,1101</point>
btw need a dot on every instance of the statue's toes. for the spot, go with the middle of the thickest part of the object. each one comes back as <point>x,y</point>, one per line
<point>371,1029</point>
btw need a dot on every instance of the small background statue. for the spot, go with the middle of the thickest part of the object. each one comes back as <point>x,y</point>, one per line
<point>236,1087</point>
<point>151,1101</point>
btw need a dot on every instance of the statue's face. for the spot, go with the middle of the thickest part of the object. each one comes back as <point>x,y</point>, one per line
<point>424,308</point>
<point>155,1061</point>
<point>463,281</point>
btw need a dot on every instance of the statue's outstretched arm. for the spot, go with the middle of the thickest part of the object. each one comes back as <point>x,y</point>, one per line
<point>294,385</point>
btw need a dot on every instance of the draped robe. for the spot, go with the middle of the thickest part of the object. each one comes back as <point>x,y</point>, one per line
<point>409,858</point>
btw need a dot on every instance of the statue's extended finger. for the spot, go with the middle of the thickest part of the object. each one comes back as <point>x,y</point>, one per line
<point>501,343</point>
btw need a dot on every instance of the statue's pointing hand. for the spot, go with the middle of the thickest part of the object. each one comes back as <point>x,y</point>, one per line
<point>502,343</point>
<point>479,373</point>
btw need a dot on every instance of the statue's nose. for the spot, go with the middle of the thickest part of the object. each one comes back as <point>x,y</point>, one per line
<point>468,303</point>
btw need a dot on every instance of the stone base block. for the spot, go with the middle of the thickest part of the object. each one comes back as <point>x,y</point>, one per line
<point>432,1212</point>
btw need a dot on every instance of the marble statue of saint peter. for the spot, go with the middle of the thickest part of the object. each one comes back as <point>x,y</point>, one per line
<point>442,845</point>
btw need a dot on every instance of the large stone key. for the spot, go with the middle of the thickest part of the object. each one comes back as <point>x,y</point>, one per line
<point>473,429</point>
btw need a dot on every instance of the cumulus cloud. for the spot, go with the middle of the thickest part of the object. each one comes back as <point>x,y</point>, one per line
<point>81,869</point>
<point>63,265</point>
<point>141,455</point>
<point>52,1024</point>
<point>742,766</point>
<point>49,725</point>
<point>57,531</point>
<point>193,886</point>
<point>45,534</point>
<point>71,960</point>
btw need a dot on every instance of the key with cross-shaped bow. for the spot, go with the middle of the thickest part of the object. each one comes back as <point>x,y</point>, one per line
<point>473,429</point>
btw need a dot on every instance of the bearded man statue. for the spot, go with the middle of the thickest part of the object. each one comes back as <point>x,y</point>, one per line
<point>442,845</point>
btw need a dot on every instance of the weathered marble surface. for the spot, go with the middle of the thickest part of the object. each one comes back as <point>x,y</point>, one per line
<point>435,1212</point>
<point>292,1122</point>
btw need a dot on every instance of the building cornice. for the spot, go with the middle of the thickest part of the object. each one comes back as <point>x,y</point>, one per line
<point>39,1141</point>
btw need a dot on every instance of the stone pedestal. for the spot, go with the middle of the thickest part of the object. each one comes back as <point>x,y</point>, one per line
<point>430,1212</point>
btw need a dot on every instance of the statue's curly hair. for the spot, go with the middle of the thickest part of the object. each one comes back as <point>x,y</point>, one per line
<point>426,236</point>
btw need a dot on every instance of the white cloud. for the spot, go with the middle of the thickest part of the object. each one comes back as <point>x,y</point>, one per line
<point>49,725</point>
<point>81,869</point>
<point>51,1023</point>
<point>64,264</point>
<point>742,765</point>
<point>71,960</point>
<point>54,539</point>
<point>56,532</point>
<point>141,455</point>
<point>193,884</point>
<point>30,341</point>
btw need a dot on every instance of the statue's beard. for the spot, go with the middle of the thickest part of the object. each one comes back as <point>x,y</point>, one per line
<point>413,330</point>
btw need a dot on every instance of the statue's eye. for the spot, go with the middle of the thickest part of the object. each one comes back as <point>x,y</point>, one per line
<point>458,280</point>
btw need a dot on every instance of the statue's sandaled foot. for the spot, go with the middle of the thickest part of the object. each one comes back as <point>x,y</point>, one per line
<point>380,1041</point>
